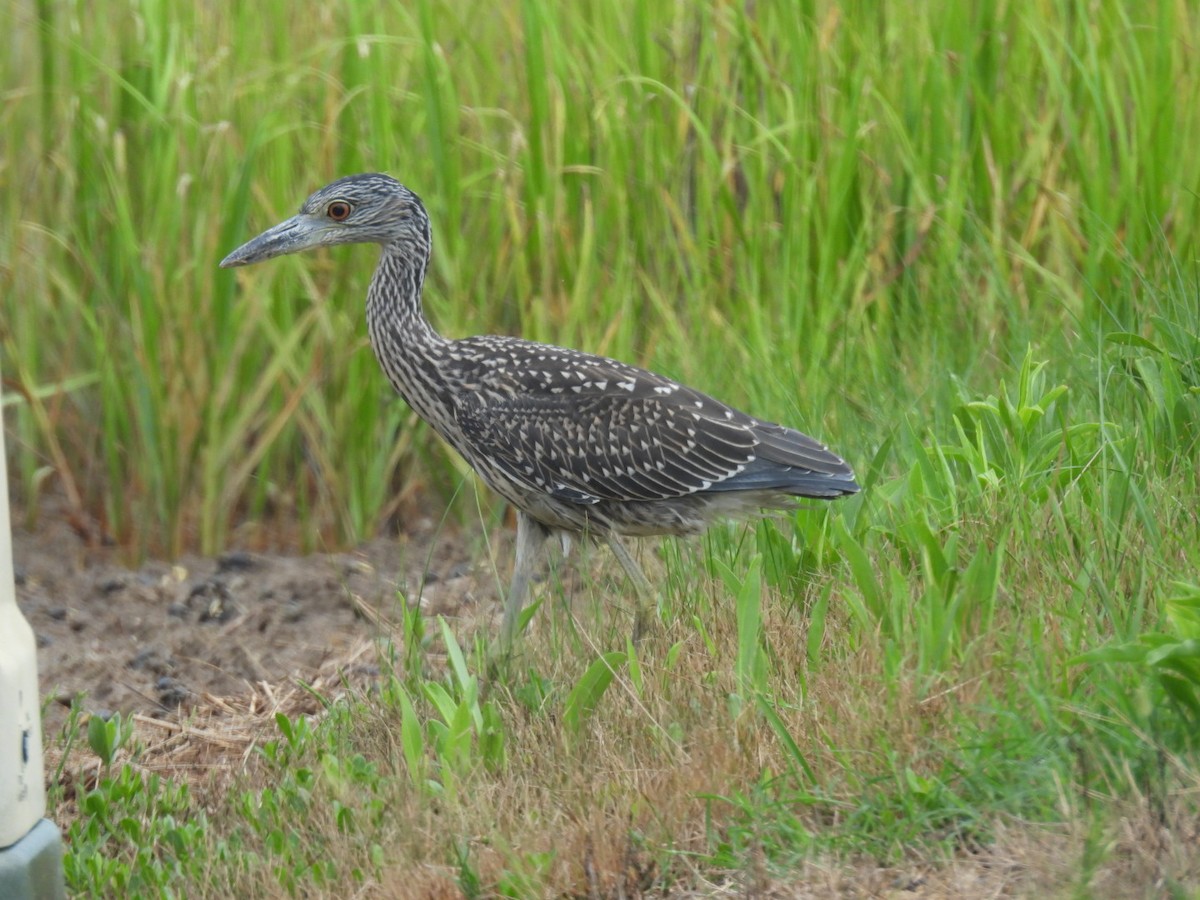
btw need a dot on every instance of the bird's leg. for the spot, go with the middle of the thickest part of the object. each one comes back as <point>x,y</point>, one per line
<point>531,534</point>
<point>558,561</point>
<point>644,589</point>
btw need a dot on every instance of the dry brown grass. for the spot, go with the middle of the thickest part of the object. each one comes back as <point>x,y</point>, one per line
<point>211,744</point>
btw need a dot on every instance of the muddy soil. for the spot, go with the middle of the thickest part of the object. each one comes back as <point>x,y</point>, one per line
<point>158,637</point>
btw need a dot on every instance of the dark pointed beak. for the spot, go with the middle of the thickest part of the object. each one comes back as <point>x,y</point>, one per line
<point>291,236</point>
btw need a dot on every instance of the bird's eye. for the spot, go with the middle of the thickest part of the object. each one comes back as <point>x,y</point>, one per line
<point>338,210</point>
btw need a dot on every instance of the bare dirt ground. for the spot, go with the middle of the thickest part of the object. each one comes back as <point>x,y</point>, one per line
<point>153,639</point>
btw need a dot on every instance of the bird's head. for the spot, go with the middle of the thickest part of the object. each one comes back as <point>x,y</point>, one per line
<point>358,209</point>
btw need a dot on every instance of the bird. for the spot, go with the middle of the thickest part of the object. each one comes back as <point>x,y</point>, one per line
<point>580,445</point>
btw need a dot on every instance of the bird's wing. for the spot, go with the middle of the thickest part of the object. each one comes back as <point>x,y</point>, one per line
<point>584,428</point>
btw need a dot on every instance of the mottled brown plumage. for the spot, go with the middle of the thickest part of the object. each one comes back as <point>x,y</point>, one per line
<point>579,444</point>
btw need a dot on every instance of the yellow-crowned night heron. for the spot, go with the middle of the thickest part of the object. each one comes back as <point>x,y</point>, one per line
<point>579,444</point>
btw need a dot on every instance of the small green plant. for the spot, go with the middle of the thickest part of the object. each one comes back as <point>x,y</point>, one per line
<point>137,833</point>
<point>462,730</point>
<point>1020,439</point>
<point>1166,371</point>
<point>583,698</point>
<point>1171,659</point>
<point>525,875</point>
<point>106,736</point>
<point>315,776</point>
<point>751,662</point>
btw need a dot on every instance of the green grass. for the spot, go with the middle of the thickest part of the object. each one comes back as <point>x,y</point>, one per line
<point>956,241</point>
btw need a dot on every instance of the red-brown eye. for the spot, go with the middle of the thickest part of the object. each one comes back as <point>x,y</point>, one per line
<point>338,210</point>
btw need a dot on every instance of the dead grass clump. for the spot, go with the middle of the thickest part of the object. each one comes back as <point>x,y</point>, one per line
<point>210,743</point>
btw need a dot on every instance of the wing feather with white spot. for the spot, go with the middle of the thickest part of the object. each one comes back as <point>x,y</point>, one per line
<point>587,429</point>
<point>606,446</point>
<point>585,426</point>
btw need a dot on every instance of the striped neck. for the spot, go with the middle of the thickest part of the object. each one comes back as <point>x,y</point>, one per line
<point>394,296</point>
<point>408,348</point>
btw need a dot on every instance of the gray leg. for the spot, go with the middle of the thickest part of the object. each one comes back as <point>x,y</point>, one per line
<point>630,565</point>
<point>531,534</point>
<point>645,590</point>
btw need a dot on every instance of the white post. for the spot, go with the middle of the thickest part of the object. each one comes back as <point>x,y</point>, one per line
<point>30,846</point>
